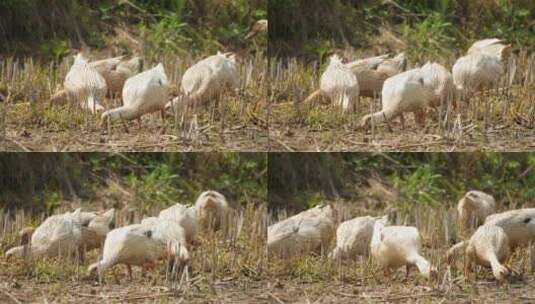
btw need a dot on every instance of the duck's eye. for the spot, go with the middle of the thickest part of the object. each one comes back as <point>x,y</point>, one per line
<point>111,225</point>
<point>527,220</point>
<point>148,233</point>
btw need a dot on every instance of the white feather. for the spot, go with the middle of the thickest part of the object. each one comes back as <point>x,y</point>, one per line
<point>144,93</point>
<point>84,84</point>
<point>339,84</point>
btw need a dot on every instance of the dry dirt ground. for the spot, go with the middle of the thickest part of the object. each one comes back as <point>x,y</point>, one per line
<point>318,280</point>
<point>20,288</point>
<point>294,134</point>
<point>24,132</point>
<point>483,291</point>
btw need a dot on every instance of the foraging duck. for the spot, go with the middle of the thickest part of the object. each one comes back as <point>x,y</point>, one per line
<point>339,84</point>
<point>185,216</point>
<point>353,237</point>
<point>476,72</point>
<point>395,246</point>
<point>207,78</point>
<point>143,245</point>
<point>302,233</point>
<point>404,92</point>
<point>144,93</point>
<point>84,84</point>
<point>489,246</point>
<point>65,234</point>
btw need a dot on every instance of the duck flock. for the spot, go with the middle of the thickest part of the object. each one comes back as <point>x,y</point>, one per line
<point>496,237</point>
<point>414,90</point>
<point>169,236</point>
<point>142,92</point>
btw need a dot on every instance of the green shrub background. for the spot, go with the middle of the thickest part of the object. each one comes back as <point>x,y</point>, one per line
<point>310,28</point>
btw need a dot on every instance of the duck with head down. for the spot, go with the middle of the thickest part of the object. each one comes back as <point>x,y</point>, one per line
<point>143,93</point>
<point>64,234</point>
<point>303,233</point>
<point>85,85</point>
<point>143,245</point>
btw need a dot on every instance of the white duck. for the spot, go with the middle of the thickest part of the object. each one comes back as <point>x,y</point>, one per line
<point>95,231</point>
<point>519,225</point>
<point>393,66</point>
<point>353,237</point>
<point>371,73</point>
<point>207,78</point>
<point>489,246</point>
<point>144,93</point>
<point>474,207</point>
<point>475,72</point>
<point>143,245</point>
<point>492,46</point>
<point>65,234</point>
<point>185,216</point>
<point>212,209</point>
<point>395,246</point>
<point>85,85</point>
<point>302,234</point>
<point>440,81</point>
<point>105,66</point>
<point>116,77</point>
<point>58,235</point>
<point>339,84</point>
<point>404,92</point>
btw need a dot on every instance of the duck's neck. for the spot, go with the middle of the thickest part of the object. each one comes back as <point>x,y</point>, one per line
<point>379,117</point>
<point>423,265</point>
<point>123,112</point>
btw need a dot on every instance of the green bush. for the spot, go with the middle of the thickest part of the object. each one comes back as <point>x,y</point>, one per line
<point>41,181</point>
<point>429,28</point>
<point>52,28</point>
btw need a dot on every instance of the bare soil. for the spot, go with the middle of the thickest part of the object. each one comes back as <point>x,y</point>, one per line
<point>20,288</point>
<point>24,133</point>
<point>294,134</point>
